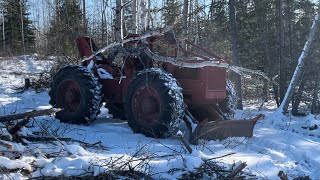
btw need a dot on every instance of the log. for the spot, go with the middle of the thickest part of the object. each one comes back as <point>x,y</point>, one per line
<point>237,170</point>
<point>15,129</point>
<point>6,145</point>
<point>5,136</point>
<point>33,113</point>
<point>46,138</point>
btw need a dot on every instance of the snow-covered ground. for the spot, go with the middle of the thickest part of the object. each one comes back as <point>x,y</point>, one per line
<point>280,143</point>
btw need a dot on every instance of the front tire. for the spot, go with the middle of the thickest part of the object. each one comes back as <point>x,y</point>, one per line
<point>154,103</point>
<point>78,93</point>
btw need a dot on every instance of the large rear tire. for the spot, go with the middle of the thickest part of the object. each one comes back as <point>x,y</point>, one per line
<point>78,93</point>
<point>154,103</point>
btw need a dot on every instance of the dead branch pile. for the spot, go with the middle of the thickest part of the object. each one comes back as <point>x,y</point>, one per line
<point>39,82</point>
<point>10,136</point>
<point>109,175</point>
<point>211,170</point>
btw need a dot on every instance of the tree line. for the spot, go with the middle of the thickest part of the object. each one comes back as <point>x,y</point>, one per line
<point>266,35</point>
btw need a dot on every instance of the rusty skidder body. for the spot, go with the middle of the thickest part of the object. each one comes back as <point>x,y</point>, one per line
<point>153,96</point>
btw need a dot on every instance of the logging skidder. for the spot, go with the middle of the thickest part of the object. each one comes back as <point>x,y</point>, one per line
<point>153,92</point>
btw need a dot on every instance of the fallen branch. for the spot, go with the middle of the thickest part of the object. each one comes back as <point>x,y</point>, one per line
<point>33,113</point>
<point>212,62</point>
<point>15,129</point>
<point>184,142</point>
<point>237,170</point>
<point>45,138</point>
<point>139,38</point>
<point>6,145</point>
<point>5,136</point>
<point>229,154</point>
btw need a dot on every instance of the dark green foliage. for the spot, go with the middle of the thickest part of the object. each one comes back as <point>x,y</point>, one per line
<point>214,31</point>
<point>172,10</point>
<point>66,26</point>
<point>13,27</point>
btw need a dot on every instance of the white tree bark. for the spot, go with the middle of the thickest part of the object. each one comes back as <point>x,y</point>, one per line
<point>118,22</point>
<point>185,13</point>
<point>134,15</point>
<point>301,61</point>
<point>84,17</point>
<point>148,15</point>
<point>142,17</point>
<point>3,33</point>
<point>22,28</point>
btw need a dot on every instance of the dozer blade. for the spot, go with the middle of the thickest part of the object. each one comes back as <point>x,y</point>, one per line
<point>219,130</point>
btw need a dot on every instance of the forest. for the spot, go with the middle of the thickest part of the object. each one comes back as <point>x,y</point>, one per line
<point>265,35</point>
<point>60,119</point>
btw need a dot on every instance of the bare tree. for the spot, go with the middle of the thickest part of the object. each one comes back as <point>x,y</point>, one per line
<point>118,21</point>
<point>301,61</point>
<point>235,53</point>
<point>22,27</point>
<point>84,17</point>
<point>281,50</point>
<point>134,14</point>
<point>3,33</point>
<point>185,13</point>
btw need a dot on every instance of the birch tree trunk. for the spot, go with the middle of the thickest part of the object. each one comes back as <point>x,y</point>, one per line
<point>134,15</point>
<point>22,28</point>
<point>84,17</point>
<point>185,13</point>
<point>301,61</point>
<point>235,53</point>
<point>142,17</point>
<point>148,15</point>
<point>103,20</point>
<point>3,33</point>
<point>118,21</point>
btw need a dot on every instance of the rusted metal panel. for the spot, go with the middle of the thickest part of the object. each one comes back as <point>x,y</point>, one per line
<point>219,130</point>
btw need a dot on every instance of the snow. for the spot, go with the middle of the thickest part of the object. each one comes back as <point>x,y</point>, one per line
<point>13,164</point>
<point>280,142</point>
<point>103,74</point>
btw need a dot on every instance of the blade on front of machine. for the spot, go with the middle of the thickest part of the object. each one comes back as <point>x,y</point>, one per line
<point>219,130</point>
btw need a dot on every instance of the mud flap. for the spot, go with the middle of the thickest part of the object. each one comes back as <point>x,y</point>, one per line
<point>219,130</point>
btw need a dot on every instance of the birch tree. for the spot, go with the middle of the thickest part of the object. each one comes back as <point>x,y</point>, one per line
<point>301,61</point>
<point>118,21</point>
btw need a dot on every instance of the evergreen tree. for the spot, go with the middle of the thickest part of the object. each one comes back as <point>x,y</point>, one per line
<point>66,26</point>
<point>18,34</point>
<point>214,31</point>
<point>172,10</point>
